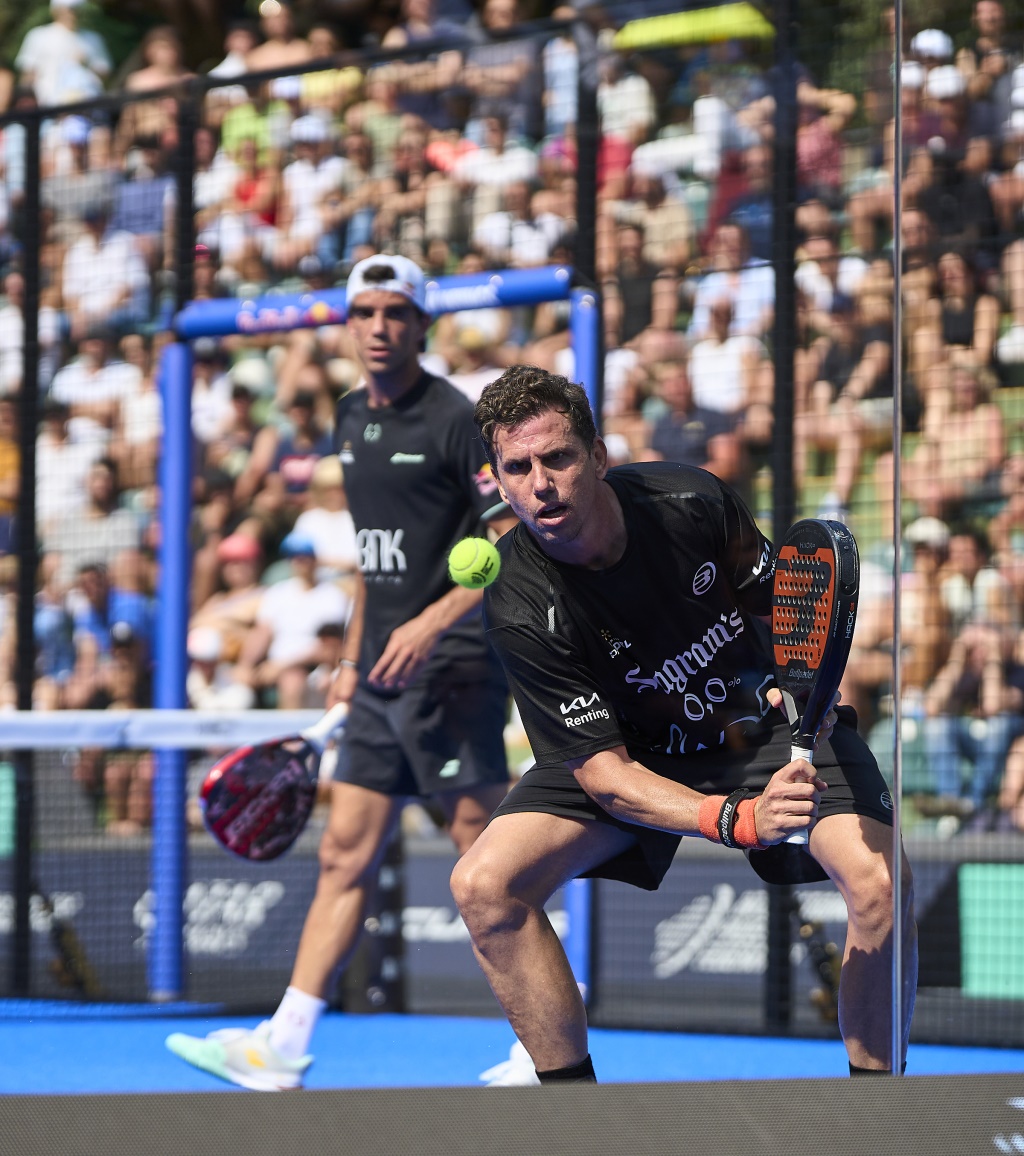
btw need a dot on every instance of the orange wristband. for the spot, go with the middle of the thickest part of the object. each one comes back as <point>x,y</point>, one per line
<point>729,819</point>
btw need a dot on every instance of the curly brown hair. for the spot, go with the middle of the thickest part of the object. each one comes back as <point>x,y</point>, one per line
<point>524,391</point>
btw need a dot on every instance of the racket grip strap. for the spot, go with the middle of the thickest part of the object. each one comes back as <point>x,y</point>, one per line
<point>729,819</point>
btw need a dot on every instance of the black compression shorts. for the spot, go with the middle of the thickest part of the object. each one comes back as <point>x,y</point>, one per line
<point>855,786</point>
<point>440,736</point>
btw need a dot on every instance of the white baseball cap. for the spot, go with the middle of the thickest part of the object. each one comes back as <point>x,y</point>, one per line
<point>392,274</point>
<point>932,43</point>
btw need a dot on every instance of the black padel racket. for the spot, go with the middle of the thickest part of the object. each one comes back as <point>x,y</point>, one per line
<point>814,609</point>
<point>256,800</point>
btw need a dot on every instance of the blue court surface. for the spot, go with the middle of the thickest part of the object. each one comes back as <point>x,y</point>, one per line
<point>44,1050</point>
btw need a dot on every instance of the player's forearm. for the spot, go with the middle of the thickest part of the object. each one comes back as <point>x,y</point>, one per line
<point>451,608</point>
<point>629,791</point>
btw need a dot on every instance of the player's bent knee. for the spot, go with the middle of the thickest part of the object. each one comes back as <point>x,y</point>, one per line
<point>869,900</point>
<point>483,900</point>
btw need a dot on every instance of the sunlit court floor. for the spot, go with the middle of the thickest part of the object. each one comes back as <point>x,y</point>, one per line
<point>44,1050</point>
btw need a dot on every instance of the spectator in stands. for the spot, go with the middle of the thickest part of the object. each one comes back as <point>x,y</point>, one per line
<point>277,476</point>
<point>637,295</point>
<point>284,648</point>
<point>349,208</point>
<point>329,92</point>
<point>479,363</point>
<point>12,337</point>
<point>122,780</point>
<point>751,205</point>
<point>315,173</point>
<point>625,102</point>
<point>102,598</point>
<point>138,427</point>
<point>417,202</point>
<point>957,202</point>
<point>499,76</point>
<point>689,434</point>
<point>826,276</point>
<point>97,533</point>
<point>62,465</point>
<point>484,172</point>
<point>955,470</point>
<point>328,524</point>
<point>144,204</point>
<point>731,272</point>
<point>732,375</point>
<point>513,236</point>
<point>425,88</point>
<point>59,61</point>
<point>231,609</point>
<point>973,590</point>
<point>988,63</point>
<point>210,683</point>
<point>104,277</point>
<point>925,626</point>
<point>95,385</point>
<point>1010,346</point>
<point>163,67</point>
<point>282,47</point>
<point>240,38</point>
<point>960,318</point>
<point>972,714</point>
<point>850,402</point>
<point>66,194</point>
<point>666,221</point>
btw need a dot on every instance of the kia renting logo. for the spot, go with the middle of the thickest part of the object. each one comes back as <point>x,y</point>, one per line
<point>704,579</point>
<point>580,703</point>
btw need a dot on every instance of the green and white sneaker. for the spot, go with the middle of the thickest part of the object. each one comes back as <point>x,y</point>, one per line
<point>241,1056</point>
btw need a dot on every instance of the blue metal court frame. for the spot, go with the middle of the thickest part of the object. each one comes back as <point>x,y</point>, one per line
<point>225,317</point>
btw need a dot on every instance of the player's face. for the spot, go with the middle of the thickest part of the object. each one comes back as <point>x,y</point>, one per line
<point>388,331</point>
<point>551,479</point>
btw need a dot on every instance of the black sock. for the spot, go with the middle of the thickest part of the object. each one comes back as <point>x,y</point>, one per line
<point>581,1073</point>
<point>855,1071</point>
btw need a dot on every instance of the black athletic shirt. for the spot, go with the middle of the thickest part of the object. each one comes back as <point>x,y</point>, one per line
<point>417,481</point>
<point>661,652</point>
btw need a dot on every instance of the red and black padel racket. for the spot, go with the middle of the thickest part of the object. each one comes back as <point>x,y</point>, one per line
<point>814,610</point>
<point>256,800</point>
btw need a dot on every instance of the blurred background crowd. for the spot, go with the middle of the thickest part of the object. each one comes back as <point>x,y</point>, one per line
<point>463,157</point>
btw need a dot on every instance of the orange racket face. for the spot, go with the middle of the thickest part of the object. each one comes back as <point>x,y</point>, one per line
<point>802,605</point>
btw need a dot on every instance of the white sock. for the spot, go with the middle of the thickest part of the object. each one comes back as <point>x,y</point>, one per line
<point>294,1022</point>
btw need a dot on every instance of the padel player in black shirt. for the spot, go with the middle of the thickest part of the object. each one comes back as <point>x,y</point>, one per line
<point>427,699</point>
<point>628,617</point>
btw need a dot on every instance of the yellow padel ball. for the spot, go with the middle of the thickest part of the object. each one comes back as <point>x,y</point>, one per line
<point>474,562</point>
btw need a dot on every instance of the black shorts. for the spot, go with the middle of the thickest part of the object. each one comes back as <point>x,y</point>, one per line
<point>433,738</point>
<point>855,787</point>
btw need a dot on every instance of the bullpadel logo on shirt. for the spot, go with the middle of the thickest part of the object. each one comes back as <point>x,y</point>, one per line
<point>580,704</point>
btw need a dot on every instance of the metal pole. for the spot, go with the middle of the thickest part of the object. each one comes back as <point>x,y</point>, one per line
<point>169,862</point>
<point>28,562</point>
<point>588,142</point>
<point>896,1048</point>
<point>778,1007</point>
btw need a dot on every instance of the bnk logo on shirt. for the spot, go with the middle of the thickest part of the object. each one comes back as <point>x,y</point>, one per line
<point>381,551</point>
<point>581,703</point>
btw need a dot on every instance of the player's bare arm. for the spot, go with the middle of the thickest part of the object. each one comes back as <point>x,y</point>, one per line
<point>629,791</point>
<point>346,677</point>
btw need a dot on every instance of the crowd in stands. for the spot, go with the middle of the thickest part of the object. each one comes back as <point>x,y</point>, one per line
<point>464,159</point>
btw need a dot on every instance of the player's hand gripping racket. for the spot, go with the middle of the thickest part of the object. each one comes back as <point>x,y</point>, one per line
<point>256,800</point>
<point>814,608</point>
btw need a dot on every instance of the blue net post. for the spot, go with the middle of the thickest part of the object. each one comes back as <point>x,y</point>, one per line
<point>166,945</point>
<point>585,334</point>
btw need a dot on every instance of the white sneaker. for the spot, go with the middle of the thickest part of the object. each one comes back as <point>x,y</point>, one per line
<point>516,1071</point>
<point>241,1056</point>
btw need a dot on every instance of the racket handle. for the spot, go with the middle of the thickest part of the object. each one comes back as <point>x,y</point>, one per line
<point>319,734</point>
<point>796,752</point>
